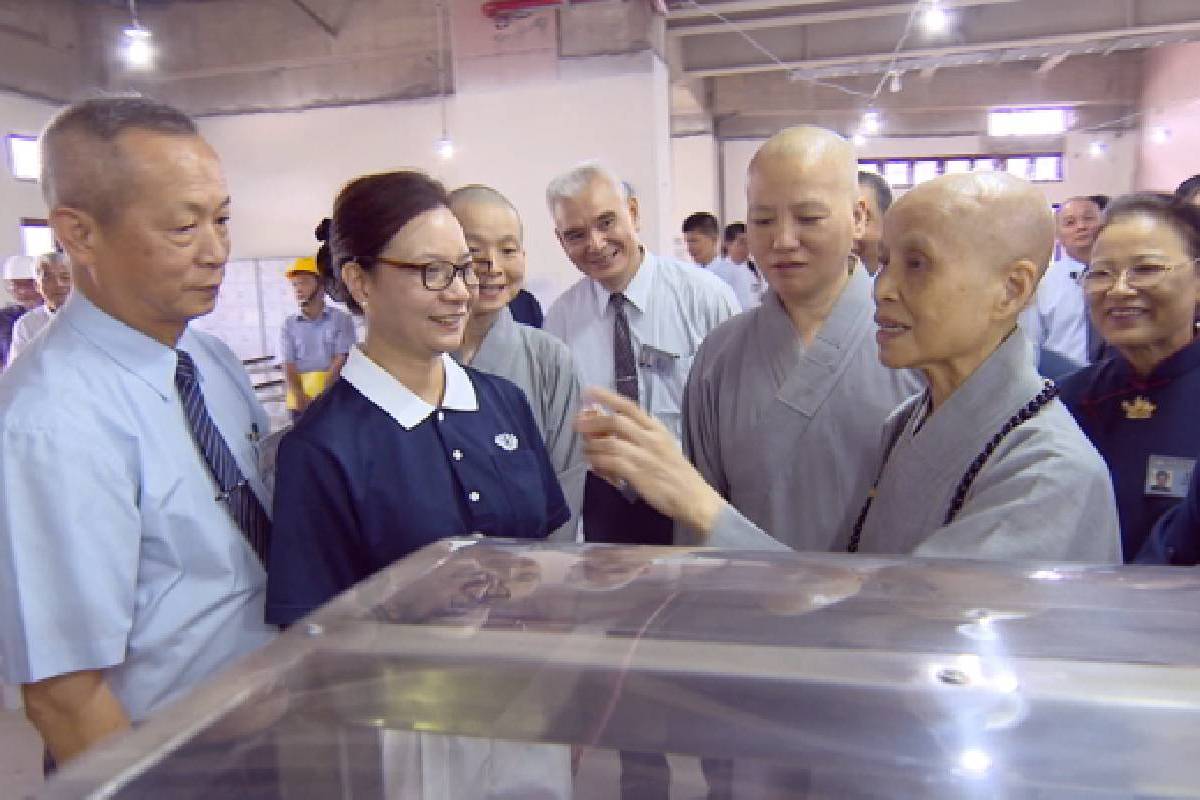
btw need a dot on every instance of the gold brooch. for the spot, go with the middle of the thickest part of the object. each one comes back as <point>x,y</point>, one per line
<point>1140,408</point>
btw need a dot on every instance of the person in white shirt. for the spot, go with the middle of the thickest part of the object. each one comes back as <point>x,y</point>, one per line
<point>1057,318</point>
<point>634,323</point>
<point>53,276</point>
<point>737,255</point>
<point>702,235</point>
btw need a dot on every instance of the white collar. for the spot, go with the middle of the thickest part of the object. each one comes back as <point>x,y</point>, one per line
<point>397,400</point>
<point>637,292</point>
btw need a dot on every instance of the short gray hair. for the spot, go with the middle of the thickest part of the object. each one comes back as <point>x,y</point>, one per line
<point>575,180</point>
<point>80,161</point>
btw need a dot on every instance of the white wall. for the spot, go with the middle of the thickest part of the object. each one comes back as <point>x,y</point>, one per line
<point>18,198</point>
<point>693,181</point>
<point>285,169</point>
<point>1169,100</point>
<point>1113,174</point>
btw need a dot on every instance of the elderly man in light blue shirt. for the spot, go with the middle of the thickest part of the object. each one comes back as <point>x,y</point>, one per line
<point>133,529</point>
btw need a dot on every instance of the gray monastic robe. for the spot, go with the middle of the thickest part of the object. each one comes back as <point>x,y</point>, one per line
<point>542,367</point>
<point>1044,494</point>
<point>789,434</point>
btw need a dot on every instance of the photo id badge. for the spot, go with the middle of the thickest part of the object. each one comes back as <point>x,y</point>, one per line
<point>657,360</point>
<point>1168,476</point>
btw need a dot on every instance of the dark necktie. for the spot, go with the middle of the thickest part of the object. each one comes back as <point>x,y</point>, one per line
<point>624,362</point>
<point>239,498</point>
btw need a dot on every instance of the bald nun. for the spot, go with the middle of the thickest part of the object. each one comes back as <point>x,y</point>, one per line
<point>985,462</point>
<point>784,403</point>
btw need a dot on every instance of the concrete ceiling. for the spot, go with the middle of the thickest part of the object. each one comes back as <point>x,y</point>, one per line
<point>752,66</point>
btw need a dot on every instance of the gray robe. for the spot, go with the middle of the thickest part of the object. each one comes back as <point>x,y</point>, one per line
<point>789,434</point>
<point>1044,494</point>
<point>542,367</point>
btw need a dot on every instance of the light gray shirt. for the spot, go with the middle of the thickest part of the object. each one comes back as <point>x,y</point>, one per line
<point>542,367</point>
<point>672,307</point>
<point>1043,494</point>
<point>789,434</point>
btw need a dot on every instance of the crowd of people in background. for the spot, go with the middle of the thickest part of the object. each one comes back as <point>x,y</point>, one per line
<point>843,371</point>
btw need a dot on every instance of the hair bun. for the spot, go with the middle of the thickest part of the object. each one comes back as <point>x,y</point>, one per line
<point>322,231</point>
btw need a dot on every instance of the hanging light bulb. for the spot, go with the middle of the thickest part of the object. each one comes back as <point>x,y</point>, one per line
<point>445,148</point>
<point>1097,149</point>
<point>859,139</point>
<point>138,49</point>
<point>934,19</point>
<point>871,123</point>
<point>1160,134</point>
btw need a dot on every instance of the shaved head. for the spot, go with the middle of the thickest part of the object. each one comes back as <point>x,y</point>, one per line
<point>1003,218</point>
<point>808,146</point>
<point>479,195</point>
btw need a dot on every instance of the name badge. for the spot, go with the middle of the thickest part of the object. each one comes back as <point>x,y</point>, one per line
<point>1168,476</point>
<point>655,359</point>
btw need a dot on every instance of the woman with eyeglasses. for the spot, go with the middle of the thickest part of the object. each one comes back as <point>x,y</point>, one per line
<point>407,447</point>
<point>1139,407</point>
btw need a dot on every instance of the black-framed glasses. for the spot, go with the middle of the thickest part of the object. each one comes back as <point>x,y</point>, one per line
<point>1102,278</point>
<point>438,275</point>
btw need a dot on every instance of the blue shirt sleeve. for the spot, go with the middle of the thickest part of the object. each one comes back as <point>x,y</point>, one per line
<point>287,346</point>
<point>316,538</point>
<point>344,338</point>
<point>74,541</point>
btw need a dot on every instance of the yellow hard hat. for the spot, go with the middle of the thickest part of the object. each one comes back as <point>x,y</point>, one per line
<point>303,264</point>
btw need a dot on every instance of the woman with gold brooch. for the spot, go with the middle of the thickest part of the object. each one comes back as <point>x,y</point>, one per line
<point>1139,406</point>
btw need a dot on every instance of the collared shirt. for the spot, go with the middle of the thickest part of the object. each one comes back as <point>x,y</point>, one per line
<point>372,472</point>
<point>27,327</point>
<point>1141,425</point>
<point>1057,318</point>
<point>672,307</point>
<point>8,319</point>
<point>118,556</point>
<point>1042,494</point>
<point>311,344</point>
<point>746,283</point>
<point>787,432</point>
<point>541,366</point>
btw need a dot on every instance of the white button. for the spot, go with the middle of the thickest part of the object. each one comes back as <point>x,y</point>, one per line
<point>441,417</point>
<point>456,455</point>
<point>473,497</point>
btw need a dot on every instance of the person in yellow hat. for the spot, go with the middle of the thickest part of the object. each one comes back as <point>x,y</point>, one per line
<point>314,343</point>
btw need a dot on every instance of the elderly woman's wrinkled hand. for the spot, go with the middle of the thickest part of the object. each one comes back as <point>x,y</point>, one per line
<point>626,446</point>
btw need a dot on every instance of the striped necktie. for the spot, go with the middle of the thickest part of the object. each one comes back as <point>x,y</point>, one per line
<point>239,498</point>
<point>624,362</point>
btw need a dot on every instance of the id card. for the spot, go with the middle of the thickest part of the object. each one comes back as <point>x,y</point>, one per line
<point>657,360</point>
<point>1168,476</point>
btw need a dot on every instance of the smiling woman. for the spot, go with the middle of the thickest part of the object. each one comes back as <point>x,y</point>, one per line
<point>408,447</point>
<point>1138,407</point>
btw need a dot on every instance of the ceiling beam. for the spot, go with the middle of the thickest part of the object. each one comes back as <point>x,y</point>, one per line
<point>699,11</point>
<point>883,61</point>
<point>1052,62</point>
<point>815,18</point>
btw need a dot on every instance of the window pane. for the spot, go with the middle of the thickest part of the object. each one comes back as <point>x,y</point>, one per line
<point>869,166</point>
<point>896,173</point>
<point>984,165</point>
<point>1019,166</point>
<point>924,171</point>
<point>1027,122</point>
<point>24,157</point>
<point>956,166</point>
<point>36,239</point>
<point>1047,168</point>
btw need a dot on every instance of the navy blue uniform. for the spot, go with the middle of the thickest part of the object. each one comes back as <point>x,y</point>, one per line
<point>526,309</point>
<point>1176,537</point>
<point>1147,429</point>
<point>356,490</point>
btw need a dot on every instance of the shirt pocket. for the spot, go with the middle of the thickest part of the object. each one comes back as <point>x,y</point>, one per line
<point>665,388</point>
